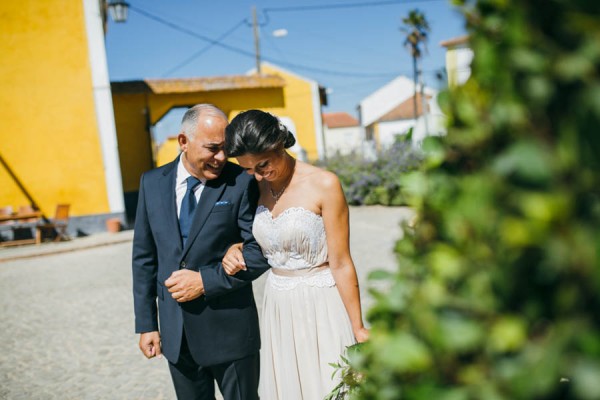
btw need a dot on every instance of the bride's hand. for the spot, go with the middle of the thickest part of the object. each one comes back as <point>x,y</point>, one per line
<point>233,262</point>
<point>361,334</point>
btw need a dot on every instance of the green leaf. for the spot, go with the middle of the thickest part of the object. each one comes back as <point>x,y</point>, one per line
<point>508,333</point>
<point>525,159</point>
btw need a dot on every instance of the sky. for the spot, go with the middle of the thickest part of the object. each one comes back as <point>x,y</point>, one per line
<point>350,47</point>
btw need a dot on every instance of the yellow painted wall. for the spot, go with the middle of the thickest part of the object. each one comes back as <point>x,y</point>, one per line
<point>298,106</point>
<point>167,151</point>
<point>452,66</point>
<point>135,148</point>
<point>48,129</point>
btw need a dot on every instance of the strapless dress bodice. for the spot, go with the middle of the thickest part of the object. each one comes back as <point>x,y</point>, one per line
<point>294,240</point>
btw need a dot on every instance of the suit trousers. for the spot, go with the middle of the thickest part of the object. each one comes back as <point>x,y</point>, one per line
<point>237,380</point>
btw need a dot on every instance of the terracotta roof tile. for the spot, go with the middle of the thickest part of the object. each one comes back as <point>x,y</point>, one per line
<point>404,110</point>
<point>339,120</point>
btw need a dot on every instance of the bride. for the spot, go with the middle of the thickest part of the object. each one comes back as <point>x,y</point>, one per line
<point>311,310</point>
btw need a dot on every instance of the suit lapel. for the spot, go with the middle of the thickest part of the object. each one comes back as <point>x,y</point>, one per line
<point>169,201</point>
<point>210,195</point>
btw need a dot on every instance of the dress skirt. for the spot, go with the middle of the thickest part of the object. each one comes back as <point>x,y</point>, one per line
<point>303,329</point>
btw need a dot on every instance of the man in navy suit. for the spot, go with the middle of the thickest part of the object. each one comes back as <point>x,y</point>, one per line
<point>189,213</point>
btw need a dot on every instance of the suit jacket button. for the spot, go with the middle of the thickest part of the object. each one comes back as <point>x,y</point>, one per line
<point>183,264</point>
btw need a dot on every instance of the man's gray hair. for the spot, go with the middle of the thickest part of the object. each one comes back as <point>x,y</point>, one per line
<point>189,123</point>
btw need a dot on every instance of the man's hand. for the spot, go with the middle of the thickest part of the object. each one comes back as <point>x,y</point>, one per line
<point>185,285</point>
<point>234,260</point>
<point>150,344</point>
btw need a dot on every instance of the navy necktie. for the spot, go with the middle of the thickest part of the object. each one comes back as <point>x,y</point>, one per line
<point>188,206</point>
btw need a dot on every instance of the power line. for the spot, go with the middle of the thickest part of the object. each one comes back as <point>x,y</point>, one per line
<point>246,53</point>
<point>349,5</point>
<point>189,32</point>
<point>204,49</point>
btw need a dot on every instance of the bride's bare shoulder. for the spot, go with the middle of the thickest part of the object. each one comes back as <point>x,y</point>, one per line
<point>319,177</point>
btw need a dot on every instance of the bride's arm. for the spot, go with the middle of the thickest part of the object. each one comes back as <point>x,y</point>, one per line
<point>334,210</point>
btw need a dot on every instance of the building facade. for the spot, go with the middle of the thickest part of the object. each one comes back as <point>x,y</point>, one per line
<point>57,131</point>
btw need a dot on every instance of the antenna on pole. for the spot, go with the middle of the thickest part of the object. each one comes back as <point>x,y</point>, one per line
<point>256,39</point>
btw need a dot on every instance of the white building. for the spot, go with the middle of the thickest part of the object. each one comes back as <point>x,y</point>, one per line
<point>458,59</point>
<point>343,134</point>
<point>389,111</point>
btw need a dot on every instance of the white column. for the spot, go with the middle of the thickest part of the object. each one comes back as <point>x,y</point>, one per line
<point>104,106</point>
<point>316,99</point>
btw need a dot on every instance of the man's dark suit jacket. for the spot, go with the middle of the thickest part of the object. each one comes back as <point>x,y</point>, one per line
<point>222,325</point>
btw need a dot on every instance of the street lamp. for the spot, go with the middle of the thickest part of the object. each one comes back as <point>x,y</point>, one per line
<point>118,10</point>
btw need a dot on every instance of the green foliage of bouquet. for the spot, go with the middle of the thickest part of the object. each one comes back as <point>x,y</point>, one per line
<point>497,295</point>
<point>349,378</point>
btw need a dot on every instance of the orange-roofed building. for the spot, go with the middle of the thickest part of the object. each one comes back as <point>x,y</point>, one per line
<point>389,112</point>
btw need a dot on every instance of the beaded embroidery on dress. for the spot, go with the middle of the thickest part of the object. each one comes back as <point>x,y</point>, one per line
<point>293,240</point>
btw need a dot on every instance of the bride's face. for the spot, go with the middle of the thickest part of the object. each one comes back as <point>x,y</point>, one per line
<point>268,166</point>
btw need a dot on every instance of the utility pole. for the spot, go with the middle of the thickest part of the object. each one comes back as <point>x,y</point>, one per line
<point>256,39</point>
<point>423,102</point>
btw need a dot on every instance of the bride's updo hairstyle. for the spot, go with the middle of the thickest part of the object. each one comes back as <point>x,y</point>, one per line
<point>256,132</point>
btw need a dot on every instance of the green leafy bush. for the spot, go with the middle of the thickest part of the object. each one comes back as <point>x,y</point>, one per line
<point>497,294</point>
<point>369,182</point>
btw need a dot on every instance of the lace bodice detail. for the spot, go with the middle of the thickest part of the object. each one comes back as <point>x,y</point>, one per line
<point>293,240</point>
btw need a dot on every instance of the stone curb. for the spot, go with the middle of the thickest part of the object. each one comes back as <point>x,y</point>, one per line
<point>47,249</point>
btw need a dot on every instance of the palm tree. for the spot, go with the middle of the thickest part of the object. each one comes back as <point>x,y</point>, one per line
<point>416,28</point>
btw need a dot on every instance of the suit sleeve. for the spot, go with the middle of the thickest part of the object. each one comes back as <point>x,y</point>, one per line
<point>216,281</point>
<point>144,268</point>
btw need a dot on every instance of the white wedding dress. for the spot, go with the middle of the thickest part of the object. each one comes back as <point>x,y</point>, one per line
<point>304,325</point>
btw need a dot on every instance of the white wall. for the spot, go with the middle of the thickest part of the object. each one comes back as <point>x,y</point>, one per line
<point>389,130</point>
<point>432,124</point>
<point>385,99</point>
<point>104,106</point>
<point>458,64</point>
<point>344,140</point>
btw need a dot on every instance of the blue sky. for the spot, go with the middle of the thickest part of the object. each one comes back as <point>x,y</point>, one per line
<point>350,47</point>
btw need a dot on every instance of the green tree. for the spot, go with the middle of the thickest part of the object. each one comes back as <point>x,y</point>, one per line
<point>497,294</point>
<point>416,28</point>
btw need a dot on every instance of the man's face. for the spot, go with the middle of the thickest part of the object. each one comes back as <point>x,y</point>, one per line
<point>203,155</point>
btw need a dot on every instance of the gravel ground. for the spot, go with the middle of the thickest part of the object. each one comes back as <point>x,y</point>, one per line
<point>67,313</point>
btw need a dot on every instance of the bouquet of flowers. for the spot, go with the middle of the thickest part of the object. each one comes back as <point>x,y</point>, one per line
<point>350,378</point>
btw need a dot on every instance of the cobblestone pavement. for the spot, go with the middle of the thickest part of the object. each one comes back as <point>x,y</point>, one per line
<point>67,315</point>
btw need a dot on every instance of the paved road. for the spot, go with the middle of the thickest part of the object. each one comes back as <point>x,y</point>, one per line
<point>66,319</point>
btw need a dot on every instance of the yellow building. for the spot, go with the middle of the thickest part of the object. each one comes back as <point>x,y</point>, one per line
<point>458,59</point>
<point>140,105</point>
<point>57,132</point>
<point>297,103</point>
<point>68,135</point>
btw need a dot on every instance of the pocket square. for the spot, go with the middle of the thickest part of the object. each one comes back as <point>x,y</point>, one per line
<point>222,203</point>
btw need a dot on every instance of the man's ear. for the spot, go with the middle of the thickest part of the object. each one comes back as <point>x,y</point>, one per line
<point>183,142</point>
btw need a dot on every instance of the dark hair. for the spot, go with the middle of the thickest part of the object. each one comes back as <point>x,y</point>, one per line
<point>255,132</point>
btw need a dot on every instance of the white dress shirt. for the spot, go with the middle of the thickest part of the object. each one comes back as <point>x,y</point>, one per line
<point>181,185</point>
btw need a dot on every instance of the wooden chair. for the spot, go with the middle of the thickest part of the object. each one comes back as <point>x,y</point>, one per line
<point>59,224</point>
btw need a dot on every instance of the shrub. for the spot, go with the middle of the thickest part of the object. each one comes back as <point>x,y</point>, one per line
<point>369,182</point>
<point>497,291</point>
